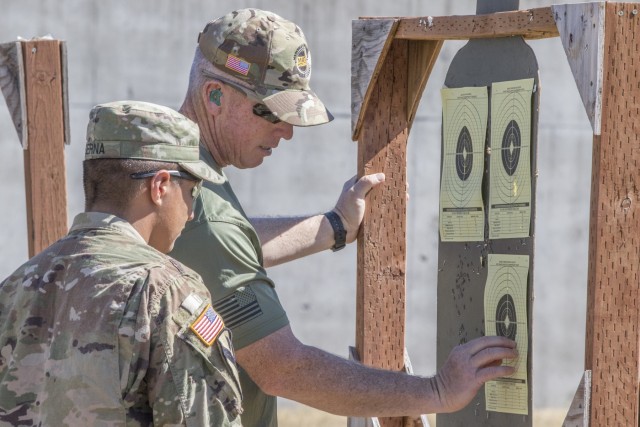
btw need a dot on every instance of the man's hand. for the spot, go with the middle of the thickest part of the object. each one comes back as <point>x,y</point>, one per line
<point>469,366</point>
<point>350,205</point>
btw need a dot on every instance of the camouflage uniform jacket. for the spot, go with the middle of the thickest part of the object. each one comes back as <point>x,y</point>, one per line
<point>97,330</point>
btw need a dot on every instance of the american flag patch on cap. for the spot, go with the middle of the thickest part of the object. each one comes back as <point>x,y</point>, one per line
<point>207,326</point>
<point>238,65</point>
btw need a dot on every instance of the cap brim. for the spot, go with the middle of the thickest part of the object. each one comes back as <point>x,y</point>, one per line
<point>298,107</point>
<point>201,170</point>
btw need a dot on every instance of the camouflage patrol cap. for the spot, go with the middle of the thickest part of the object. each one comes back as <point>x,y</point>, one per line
<point>145,131</point>
<point>268,55</point>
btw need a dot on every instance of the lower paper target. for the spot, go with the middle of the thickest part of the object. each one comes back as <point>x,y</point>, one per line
<point>505,314</point>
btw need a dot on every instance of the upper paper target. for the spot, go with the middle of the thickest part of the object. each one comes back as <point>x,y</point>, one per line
<point>464,129</point>
<point>510,171</point>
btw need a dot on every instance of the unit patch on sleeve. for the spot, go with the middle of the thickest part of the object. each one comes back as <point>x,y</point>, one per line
<point>207,326</point>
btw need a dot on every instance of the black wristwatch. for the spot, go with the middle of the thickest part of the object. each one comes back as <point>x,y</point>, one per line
<point>339,233</point>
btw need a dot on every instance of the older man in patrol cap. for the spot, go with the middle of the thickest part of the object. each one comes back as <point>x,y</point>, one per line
<point>248,88</point>
<point>103,328</point>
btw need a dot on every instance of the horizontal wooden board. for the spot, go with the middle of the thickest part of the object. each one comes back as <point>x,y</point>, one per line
<point>535,23</point>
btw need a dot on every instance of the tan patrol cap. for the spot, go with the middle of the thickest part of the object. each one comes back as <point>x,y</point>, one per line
<point>141,130</point>
<point>270,58</point>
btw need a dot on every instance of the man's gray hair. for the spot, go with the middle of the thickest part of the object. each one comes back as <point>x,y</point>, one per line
<point>200,67</point>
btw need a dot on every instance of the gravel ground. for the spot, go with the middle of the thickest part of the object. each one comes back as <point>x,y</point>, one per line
<point>293,415</point>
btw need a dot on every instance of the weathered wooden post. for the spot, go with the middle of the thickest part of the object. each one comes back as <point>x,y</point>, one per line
<point>33,81</point>
<point>389,77</point>
<point>602,40</point>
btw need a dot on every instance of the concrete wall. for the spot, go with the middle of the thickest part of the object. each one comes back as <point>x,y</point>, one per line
<point>142,50</point>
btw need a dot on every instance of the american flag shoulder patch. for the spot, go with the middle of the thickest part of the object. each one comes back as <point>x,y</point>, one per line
<point>238,308</point>
<point>207,326</point>
<point>238,65</point>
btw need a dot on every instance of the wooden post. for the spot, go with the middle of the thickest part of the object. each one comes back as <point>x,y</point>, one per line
<point>385,95</point>
<point>380,309</point>
<point>612,334</point>
<point>44,162</point>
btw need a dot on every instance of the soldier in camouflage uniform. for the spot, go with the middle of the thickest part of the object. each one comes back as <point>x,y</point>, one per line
<point>248,88</point>
<point>102,328</point>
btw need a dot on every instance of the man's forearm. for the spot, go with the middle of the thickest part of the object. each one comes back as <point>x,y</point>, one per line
<point>283,366</point>
<point>287,238</point>
<point>333,384</point>
<point>347,388</point>
<point>284,239</point>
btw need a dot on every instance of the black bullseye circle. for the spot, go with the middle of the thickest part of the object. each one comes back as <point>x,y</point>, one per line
<point>511,143</point>
<point>464,154</point>
<point>506,321</point>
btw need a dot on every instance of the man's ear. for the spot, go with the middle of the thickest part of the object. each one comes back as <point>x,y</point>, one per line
<point>212,96</point>
<point>158,186</point>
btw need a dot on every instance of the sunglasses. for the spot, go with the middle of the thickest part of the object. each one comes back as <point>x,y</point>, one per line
<point>178,174</point>
<point>264,112</point>
<point>259,109</point>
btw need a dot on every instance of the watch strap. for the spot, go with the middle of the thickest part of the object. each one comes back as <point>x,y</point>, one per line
<point>339,233</point>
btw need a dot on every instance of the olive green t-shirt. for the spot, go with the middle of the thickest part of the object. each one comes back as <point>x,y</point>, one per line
<point>223,247</point>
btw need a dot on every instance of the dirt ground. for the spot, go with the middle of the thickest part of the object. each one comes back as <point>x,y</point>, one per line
<point>302,416</point>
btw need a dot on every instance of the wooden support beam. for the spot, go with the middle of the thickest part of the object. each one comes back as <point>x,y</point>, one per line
<point>371,40</point>
<point>388,78</point>
<point>12,85</point>
<point>380,296</point>
<point>44,157</point>
<point>613,297</point>
<point>581,29</point>
<point>578,415</point>
<point>368,57</point>
<point>422,58</point>
<point>535,23</point>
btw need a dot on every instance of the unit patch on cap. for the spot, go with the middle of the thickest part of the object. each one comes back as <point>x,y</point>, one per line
<point>238,65</point>
<point>207,326</point>
<point>302,61</point>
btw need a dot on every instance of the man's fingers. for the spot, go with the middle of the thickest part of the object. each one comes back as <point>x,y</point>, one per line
<point>492,355</point>
<point>350,183</point>
<point>493,372</point>
<point>481,343</point>
<point>491,351</point>
<point>366,183</point>
<point>495,363</point>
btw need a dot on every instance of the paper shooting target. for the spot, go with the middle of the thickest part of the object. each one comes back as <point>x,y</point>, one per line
<point>505,315</point>
<point>463,163</point>
<point>510,140</point>
<point>506,303</point>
